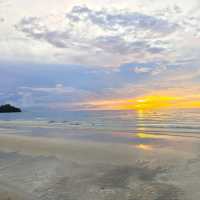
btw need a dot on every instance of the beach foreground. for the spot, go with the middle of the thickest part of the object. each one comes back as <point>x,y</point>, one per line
<point>49,169</point>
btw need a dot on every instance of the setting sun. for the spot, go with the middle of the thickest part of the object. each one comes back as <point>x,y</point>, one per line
<point>152,102</point>
<point>149,102</point>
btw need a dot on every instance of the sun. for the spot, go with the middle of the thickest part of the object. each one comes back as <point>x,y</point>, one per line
<point>148,102</point>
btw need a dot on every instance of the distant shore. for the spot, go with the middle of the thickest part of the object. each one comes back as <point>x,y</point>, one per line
<point>7,108</point>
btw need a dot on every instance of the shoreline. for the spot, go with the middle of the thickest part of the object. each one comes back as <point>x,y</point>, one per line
<point>53,168</point>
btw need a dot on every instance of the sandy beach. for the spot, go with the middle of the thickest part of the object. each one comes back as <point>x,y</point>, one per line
<point>55,169</point>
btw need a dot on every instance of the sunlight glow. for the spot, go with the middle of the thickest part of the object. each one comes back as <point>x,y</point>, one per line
<point>145,147</point>
<point>147,136</point>
<point>149,102</point>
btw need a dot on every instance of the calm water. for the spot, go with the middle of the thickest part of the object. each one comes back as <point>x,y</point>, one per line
<point>101,125</point>
<point>128,155</point>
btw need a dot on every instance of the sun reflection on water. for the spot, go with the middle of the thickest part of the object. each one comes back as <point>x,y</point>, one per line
<point>141,129</point>
<point>147,136</point>
<point>145,147</point>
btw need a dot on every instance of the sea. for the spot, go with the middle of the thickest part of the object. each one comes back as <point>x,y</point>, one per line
<point>101,126</point>
<point>100,155</point>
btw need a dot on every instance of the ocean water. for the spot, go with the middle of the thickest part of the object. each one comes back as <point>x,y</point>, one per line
<point>101,125</point>
<point>100,155</point>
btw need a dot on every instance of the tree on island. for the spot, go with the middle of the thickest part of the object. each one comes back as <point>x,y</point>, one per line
<point>7,108</point>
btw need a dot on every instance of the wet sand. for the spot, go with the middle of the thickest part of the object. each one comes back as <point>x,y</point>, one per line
<point>157,168</point>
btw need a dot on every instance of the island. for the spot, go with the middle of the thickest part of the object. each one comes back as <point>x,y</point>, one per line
<point>7,108</point>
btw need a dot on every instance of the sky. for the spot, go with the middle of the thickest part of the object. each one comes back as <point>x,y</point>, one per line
<point>100,54</point>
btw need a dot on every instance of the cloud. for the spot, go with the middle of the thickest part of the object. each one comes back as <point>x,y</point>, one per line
<point>4,3</point>
<point>120,24</point>
<point>58,89</point>
<point>57,93</point>
<point>35,28</point>
<point>140,70</point>
<point>158,70</point>
<point>103,51</point>
<point>74,87</point>
<point>116,19</point>
<point>116,44</point>
<point>147,69</point>
<point>104,33</point>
